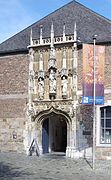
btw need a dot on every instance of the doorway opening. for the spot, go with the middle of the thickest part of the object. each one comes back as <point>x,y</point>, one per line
<point>54,133</point>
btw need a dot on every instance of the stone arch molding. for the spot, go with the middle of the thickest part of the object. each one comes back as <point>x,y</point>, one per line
<point>46,113</point>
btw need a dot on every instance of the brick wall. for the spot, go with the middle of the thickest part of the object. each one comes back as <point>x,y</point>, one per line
<point>87,121</point>
<point>13,85</point>
<point>13,99</point>
<point>13,74</point>
<point>12,108</point>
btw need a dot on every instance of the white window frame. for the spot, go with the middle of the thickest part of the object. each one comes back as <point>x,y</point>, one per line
<point>98,126</point>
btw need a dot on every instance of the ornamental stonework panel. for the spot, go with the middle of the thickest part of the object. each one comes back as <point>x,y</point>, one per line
<point>66,106</point>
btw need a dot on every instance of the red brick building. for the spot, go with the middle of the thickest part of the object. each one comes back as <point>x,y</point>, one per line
<point>41,85</point>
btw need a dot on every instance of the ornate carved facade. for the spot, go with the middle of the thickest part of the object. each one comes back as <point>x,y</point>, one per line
<point>52,69</point>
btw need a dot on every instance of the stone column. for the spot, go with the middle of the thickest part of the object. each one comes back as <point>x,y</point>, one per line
<point>41,78</point>
<point>31,75</point>
<point>30,109</point>
<point>52,67</point>
<point>64,75</point>
<point>74,153</point>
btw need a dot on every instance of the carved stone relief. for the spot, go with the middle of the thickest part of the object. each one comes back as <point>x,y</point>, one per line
<point>52,83</point>
<point>64,86</point>
<point>41,88</point>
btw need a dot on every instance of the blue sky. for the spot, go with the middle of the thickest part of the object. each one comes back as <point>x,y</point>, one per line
<point>15,15</point>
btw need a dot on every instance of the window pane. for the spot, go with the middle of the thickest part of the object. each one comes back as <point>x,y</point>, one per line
<point>102,136</point>
<point>108,123</point>
<point>102,112</point>
<point>105,125</point>
<point>102,123</point>
<point>108,136</point>
<point>108,111</point>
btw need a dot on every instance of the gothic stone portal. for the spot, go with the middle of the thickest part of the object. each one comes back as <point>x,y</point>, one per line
<point>54,134</point>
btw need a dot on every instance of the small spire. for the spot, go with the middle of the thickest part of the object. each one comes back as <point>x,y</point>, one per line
<point>52,35</point>
<point>75,35</point>
<point>75,32</point>
<point>41,61</point>
<point>31,41</point>
<point>64,32</point>
<point>41,41</point>
<point>52,49</point>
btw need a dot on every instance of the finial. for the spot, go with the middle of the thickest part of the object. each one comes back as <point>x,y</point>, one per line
<point>31,41</point>
<point>64,32</point>
<point>52,35</point>
<point>75,32</point>
<point>52,27</point>
<point>75,36</point>
<point>41,41</point>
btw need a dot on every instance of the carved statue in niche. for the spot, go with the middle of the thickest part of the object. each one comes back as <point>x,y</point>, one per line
<point>31,80</point>
<point>64,86</point>
<point>41,88</point>
<point>52,83</point>
<point>30,110</point>
<point>52,62</point>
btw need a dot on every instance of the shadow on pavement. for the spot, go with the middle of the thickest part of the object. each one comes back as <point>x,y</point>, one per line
<point>89,162</point>
<point>7,171</point>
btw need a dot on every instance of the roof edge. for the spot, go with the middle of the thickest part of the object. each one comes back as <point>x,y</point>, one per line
<point>11,52</point>
<point>29,27</point>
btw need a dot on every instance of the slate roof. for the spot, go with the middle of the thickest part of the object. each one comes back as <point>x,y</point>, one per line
<point>88,23</point>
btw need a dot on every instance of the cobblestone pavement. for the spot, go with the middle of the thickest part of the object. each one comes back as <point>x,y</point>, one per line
<point>51,167</point>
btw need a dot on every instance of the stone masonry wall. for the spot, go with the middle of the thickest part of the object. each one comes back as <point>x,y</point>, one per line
<point>11,134</point>
<point>13,99</point>
<point>103,153</point>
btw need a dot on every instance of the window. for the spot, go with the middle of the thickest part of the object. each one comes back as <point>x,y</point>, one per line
<point>105,125</point>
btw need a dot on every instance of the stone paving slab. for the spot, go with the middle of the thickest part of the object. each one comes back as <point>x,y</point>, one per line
<point>51,167</point>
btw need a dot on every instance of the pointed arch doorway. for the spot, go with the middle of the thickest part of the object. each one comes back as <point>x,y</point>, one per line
<point>54,133</point>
